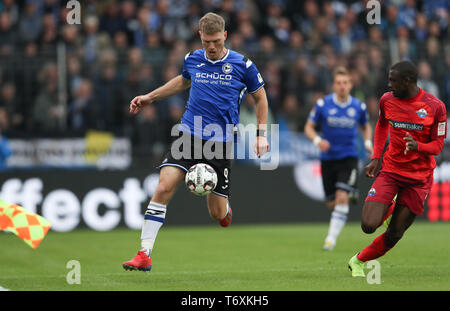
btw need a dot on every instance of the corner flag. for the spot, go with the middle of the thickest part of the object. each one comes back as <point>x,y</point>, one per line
<point>30,227</point>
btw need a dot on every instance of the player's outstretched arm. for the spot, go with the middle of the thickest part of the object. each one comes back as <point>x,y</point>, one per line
<point>262,110</point>
<point>172,87</point>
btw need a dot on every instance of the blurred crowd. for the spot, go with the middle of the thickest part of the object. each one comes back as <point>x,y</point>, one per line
<point>63,79</point>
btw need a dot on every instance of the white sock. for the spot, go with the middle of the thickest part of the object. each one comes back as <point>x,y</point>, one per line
<point>153,220</point>
<point>337,222</point>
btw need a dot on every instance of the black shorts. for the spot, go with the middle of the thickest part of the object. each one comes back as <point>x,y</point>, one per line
<point>179,156</point>
<point>339,174</point>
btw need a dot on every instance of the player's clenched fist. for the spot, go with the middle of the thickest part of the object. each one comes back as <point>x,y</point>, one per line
<point>324,145</point>
<point>411,144</point>
<point>138,102</point>
<point>372,167</point>
<point>261,146</point>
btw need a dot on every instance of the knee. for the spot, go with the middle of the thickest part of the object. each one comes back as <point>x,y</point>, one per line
<point>368,227</point>
<point>216,210</point>
<point>216,214</point>
<point>164,188</point>
<point>371,218</point>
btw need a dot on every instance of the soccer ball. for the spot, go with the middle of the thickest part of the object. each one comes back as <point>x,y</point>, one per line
<point>201,179</point>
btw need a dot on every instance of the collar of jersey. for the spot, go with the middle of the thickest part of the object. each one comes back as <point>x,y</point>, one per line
<point>216,61</point>
<point>340,104</point>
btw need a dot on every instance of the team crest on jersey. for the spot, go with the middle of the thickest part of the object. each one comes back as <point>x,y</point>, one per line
<point>372,192</point>
<point>227,68</point>
<point>422,113</point>
<point>351,112</point>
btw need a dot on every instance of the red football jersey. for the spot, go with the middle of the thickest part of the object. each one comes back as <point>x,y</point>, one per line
<point>424,117</point>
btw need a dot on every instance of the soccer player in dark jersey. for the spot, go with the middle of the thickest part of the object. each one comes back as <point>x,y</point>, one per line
<point>417,123</point>
<point>218,79</point>
<point>339,115</point>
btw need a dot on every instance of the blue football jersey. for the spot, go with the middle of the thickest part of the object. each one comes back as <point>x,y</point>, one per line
<point>217,89</point>
<point>339,123</point>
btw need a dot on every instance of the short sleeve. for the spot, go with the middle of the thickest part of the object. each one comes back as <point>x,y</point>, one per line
<point>364,116</point>
<point>185,73</point>
<point>316,113</point>
<point>253,79</point>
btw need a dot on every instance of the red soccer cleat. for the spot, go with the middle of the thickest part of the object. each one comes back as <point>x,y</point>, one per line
<point>140,262</point>
<point>227,220</point>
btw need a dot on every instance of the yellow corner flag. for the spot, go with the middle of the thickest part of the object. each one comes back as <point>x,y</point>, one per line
<point>30,227</point>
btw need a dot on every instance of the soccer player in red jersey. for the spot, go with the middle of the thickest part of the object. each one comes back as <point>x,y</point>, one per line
<point>417,123</point>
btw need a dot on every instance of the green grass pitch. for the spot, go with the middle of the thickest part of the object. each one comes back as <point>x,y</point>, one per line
<point>238,258</point>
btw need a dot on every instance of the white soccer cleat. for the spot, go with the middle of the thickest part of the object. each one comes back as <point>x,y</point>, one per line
<point>329,245</point>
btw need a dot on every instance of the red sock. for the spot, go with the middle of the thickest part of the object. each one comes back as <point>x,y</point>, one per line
<point>377,249</point>
<point>389,211</point>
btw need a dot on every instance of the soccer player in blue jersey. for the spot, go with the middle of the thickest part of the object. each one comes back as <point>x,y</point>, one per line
<point>218,79</point>
<point>339,115</point>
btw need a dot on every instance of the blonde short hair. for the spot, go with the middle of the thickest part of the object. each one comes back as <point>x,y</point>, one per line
<point>340,71</point>
<point>211,23</point>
